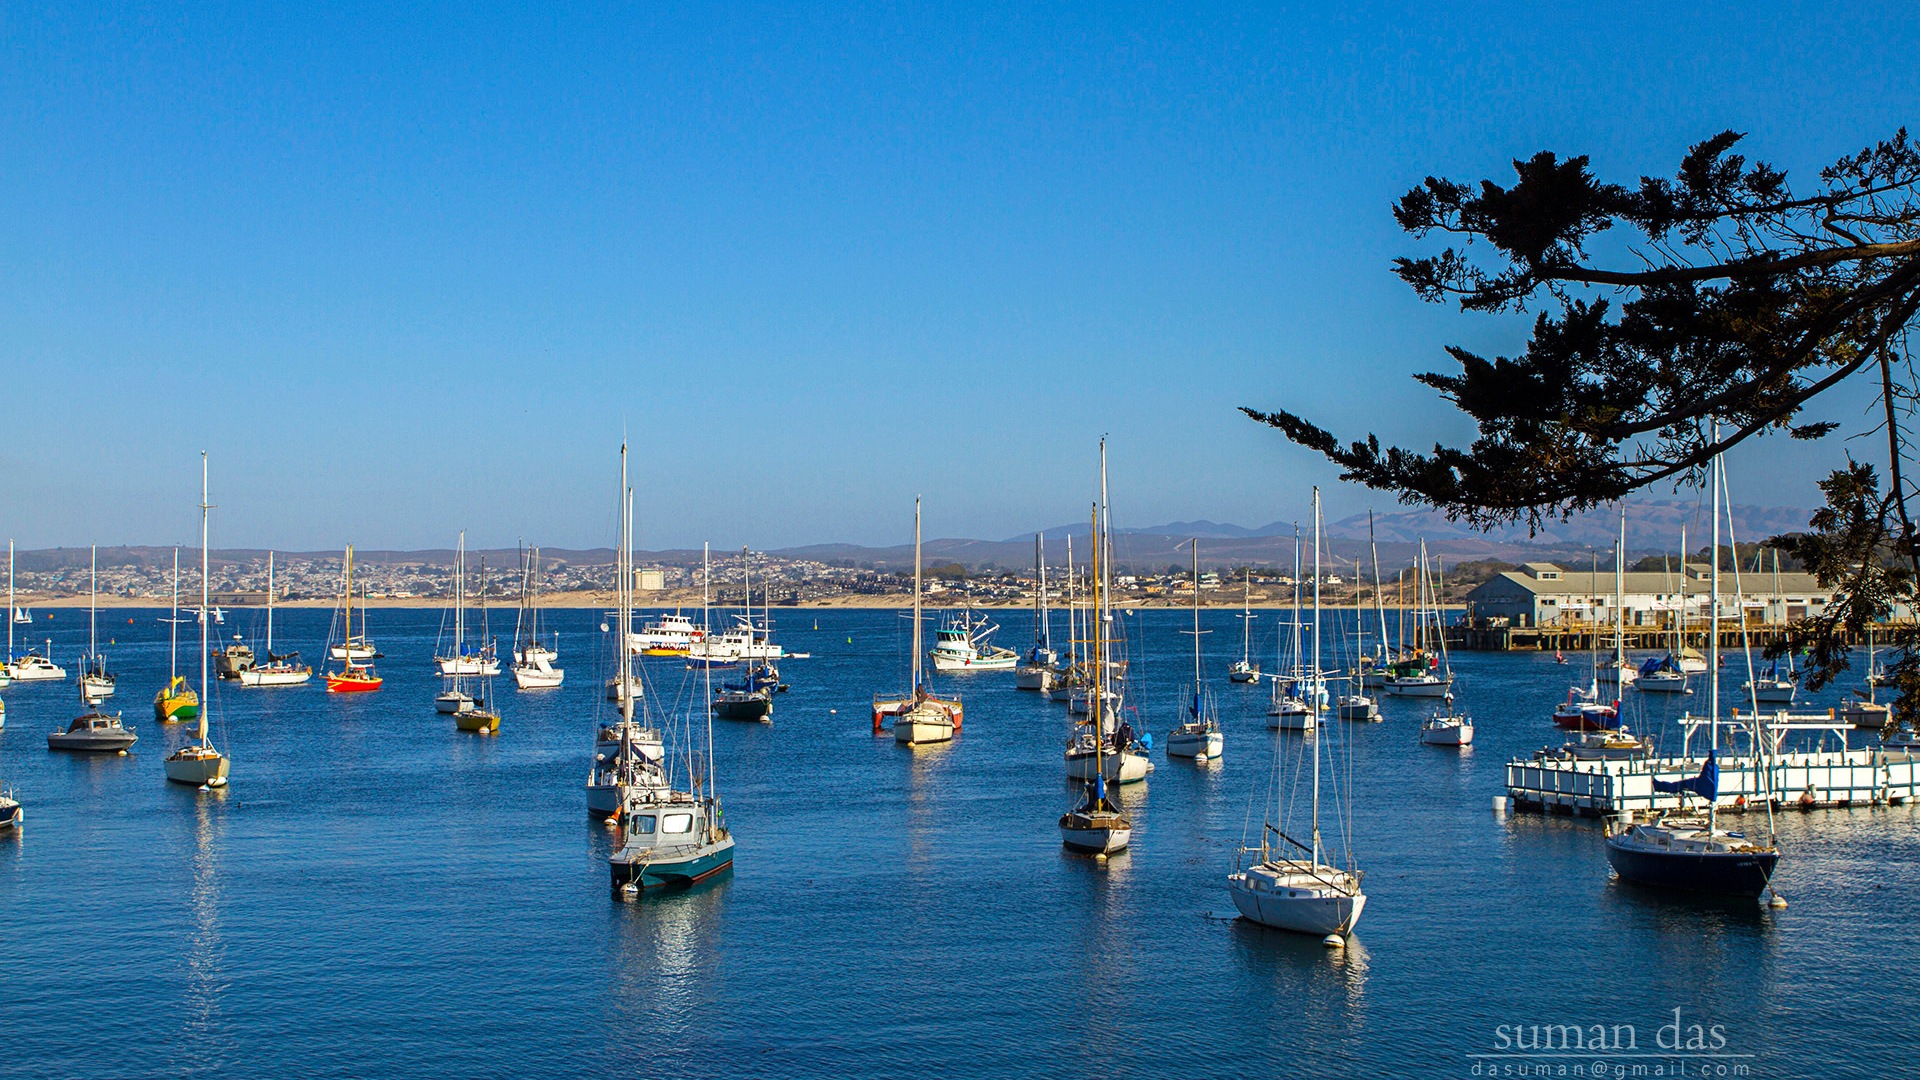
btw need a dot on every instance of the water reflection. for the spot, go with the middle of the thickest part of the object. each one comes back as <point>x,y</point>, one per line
<point>660,975</point>
<point>201,1038</point>
<point>922,813</point>
<point>1299,969</point>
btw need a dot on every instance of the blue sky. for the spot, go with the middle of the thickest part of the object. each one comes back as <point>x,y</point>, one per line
<point>410,269</point>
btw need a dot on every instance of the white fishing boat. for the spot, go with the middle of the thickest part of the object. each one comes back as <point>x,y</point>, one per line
<point>533,662</point>
<point>919,716</point>
<point>197,763</point>
<point>1272,885</point>
<point>963,644</point>
<point>1199,737</point>
<point>33,667</point>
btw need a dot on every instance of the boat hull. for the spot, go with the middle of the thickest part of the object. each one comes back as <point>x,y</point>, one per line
<point>1419,689</point>
<point>535,679</point>
<point>91,742</point>
<point>1033,678</point>
<point>674,871</point>
<point>343,684</point>
<point>921,727</point>
<point>1093,835</point>
<point>172,710</point>
<point>1291,721</point>
<point>43,672</point>
<point>1657,684</point>
<point>1195,744</point>
<point>750,709</point>
<point>1446,734</point>
<point>1126,767</point>
<point>1720,873</point>
<point>10,815</point>
<point>272,677</point>
<point>1315,914</point>
<point>197,769</point>
<point>477,721</point>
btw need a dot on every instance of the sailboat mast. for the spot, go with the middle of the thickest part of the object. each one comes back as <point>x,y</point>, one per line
<point>1313,688</point>
<point>1073,613</point>
<point>623,594</point>
<point>916,595</point>
<point>1713,635</point>
<point>1196,628</point>
<point>1097,712</point>
<point>1620,609</point>
<point>173,620</point>
<point>1379,593</point>
<point>269,607</point>
<point>93,603</point>
<point>11,609</point>
<point>205,597</point>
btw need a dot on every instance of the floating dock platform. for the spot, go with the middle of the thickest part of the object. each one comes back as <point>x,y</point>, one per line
<point>1788,779</point>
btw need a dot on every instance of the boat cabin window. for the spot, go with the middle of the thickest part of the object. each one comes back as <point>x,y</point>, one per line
<point>643,824</point>
<point>677,823</point>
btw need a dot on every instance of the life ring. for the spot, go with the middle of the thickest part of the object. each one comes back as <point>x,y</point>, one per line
<point>1740,801</point>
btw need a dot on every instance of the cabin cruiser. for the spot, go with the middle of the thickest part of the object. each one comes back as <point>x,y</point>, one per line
<point>95,731</point>
<point>745,641</point>
<point>35,668</point>
<point>670,838</point>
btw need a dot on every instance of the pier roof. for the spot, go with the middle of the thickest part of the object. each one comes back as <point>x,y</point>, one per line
<point>1642,583</point>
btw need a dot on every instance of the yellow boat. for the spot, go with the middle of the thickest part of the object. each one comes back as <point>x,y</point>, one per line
<point>176,702</point>
<point>479,721</point>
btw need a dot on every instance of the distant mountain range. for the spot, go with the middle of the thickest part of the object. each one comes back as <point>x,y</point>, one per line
<point>1653,526</point>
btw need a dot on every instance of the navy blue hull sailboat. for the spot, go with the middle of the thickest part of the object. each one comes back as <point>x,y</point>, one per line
<point>1688,851</point>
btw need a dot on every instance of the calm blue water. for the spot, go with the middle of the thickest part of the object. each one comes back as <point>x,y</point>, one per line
<point>379,895</point>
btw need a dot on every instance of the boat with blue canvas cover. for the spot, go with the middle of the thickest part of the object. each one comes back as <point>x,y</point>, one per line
<point>1688,851</point>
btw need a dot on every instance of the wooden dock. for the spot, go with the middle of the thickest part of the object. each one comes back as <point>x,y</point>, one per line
<point>1576,637</point>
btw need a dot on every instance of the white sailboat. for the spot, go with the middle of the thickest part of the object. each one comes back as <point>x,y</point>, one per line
<point>96,683</point>
<point>1279,888</point>
<point>279,670</point>
<point>1097,825</point>
<point>1245,670</point>
<point>533,661</point>
<point>918,717</point>
<point>1041,665</point>
<point>1447,726</point>
<point>1103,745</point>
<point>628,754</point>
<point>1288,710</point>
<point>1422,679</point>
<point>1199,738</point>
<point>454,665</point>
<point>198,763</point>
<point>1355,704</point>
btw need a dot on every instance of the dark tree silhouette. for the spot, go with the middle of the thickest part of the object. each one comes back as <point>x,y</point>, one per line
<point>1735,302</point>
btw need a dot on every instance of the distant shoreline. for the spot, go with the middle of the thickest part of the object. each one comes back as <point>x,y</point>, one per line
<point>592,601</point>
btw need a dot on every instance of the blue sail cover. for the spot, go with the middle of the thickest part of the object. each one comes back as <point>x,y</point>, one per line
<point>1652,665</point>
<point>1706,785</point>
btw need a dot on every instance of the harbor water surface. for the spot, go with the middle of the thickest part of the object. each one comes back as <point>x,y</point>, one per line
<point>379,895</point>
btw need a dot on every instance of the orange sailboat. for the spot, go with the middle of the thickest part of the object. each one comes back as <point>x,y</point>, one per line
<point>353,677</point>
